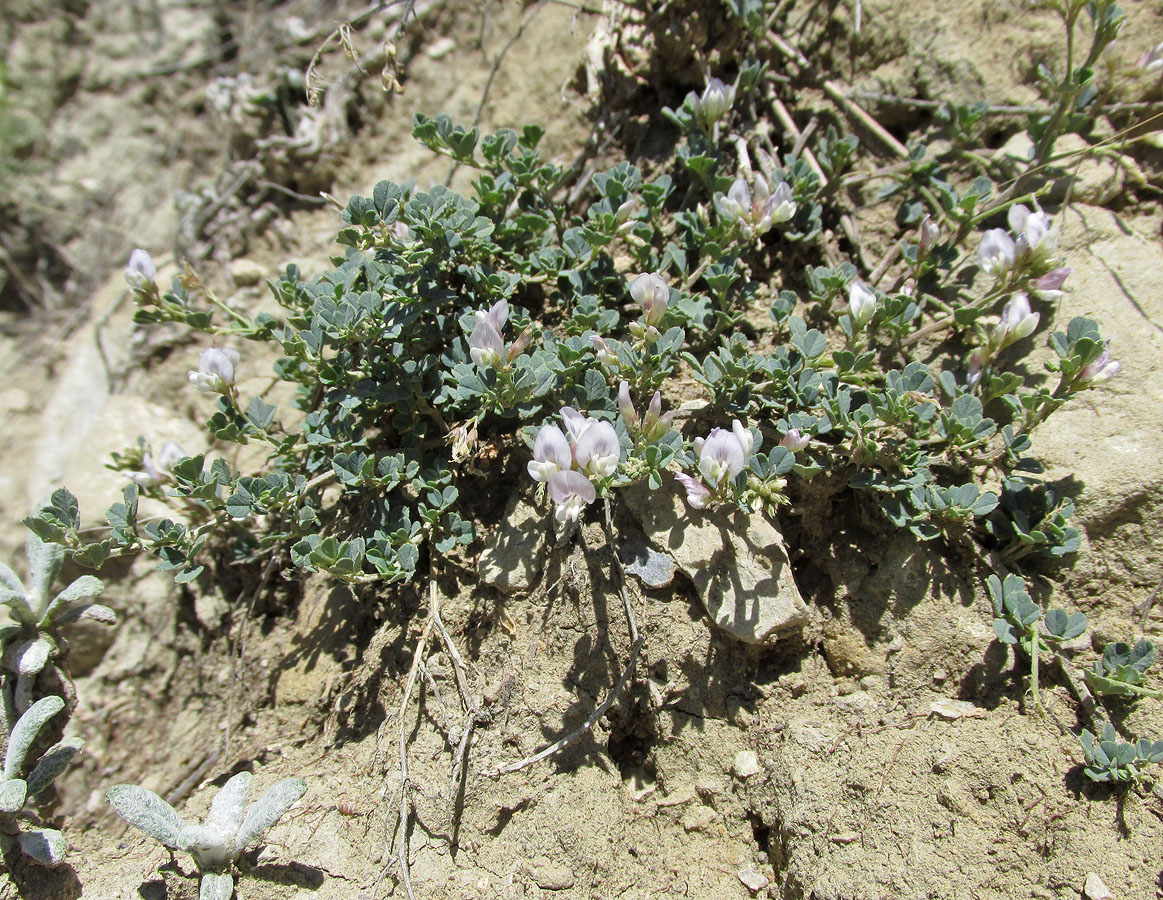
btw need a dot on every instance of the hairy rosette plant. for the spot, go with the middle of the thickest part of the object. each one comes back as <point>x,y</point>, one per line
<point>33,641</point>
<point>18,786</point>
<point>229,828</point>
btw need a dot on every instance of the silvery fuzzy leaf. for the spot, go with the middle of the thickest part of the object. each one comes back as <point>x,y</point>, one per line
<point>229,805</point>
<point>44,562</point>
<point>46,846</point>
<point>216,887</point>
<point>29,657</point>
<point>13,793</point>
<point>54,761</point>
<point>11,581</point>
<point>95,612</point>
<point>17,601</point>
<point>267,810</point>
<point>26,730</point>
<point>84,588</point>
<point>147,812</point>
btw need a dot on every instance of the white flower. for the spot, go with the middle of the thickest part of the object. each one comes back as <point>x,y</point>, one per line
<point>716,100</point>
<point>155,473</point>
<point>1103,368</point>
<point>575,423</point>
<point>861,304</point>
<point>604,351</point>
<point>1016,322</point>
<point>141,272</point>
<point>570,491</point>
<point>551,454</point>
<point>721,456</point>
<point>649,291</point>
<point>597,451</point>
<point>781,207</point>
<point>794,440</point>
<point>928,234</point>
<point>756,213</point>
<point>996,252</point>
<point>1049,286</point>
<point>215,373</point>
<point>1036,236</point>
<point>1152,60</point>
<point>485,344</point>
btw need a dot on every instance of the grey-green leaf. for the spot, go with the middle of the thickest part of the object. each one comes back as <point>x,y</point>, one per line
<point>13,793</point>
<point>146,811</point>
<point>26,731</point>
<point>30,657</point>
<point>216,887</point>
<point>267,810</point>
<point>46,846</point>
<point>54,761</point>
<point>94,612</point>
<point>84,588</point>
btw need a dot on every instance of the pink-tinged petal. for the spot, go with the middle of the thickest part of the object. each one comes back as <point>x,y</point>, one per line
<point>551,446</point>
<point>498,315</point>
<point>745,438</point>
<point>570,491</point>
<point>486,346</point>
<point>697,493</point>
<point>575,422</point>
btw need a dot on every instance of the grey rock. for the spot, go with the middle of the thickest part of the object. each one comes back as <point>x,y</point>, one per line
<point>737,562</point>
<point>652,568</point>
<point>514,553</point>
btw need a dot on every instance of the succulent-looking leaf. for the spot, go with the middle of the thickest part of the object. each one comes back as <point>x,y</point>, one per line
<point>146,811</point>
<point>44,562</point>
<point>216,886</point>
<point>95,612</point>
<point>267,810</point>
<point>229,806</point>
<point>13,793</point>
<point>26,730</point>
<point>1005,631</point>
<point>46,846</point>
<point>54,761</point>
<point>84,588</point>
<point>30,657</point>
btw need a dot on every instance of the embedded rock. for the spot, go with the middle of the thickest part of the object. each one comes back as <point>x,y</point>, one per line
<point>515,551</point>
<point>737,562</point>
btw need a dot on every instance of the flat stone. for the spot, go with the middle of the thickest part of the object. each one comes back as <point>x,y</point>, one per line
<point>753,881</point>
<point>737,562</point>
<point>652,568</point>
<point>699,818</point>
<point>515,551</point>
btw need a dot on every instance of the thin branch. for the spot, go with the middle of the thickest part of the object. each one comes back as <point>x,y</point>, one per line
<point>575,735</point>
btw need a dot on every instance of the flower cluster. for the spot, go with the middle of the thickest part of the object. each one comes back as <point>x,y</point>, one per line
<point>650,292</point>
<point>653,425</point>
<point>715,102</point>
<point>1032,247</point>
<point>754,212</point>
<point>570,466</point>
<point>721,456</point>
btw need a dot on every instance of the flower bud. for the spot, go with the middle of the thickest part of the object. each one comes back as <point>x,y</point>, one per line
<point>928,233</point>
<point>606,354</point>
<point>141,271</point>
<point>626,407</point>
<point>861,304</point>
<point>649,291</point>
<point>714,103</point>
<point>1049,286</point>
<point>794,440</point>
<point>1152,60</point>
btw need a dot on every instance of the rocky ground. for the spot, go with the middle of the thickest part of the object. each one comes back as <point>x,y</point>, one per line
<point>820,710</point>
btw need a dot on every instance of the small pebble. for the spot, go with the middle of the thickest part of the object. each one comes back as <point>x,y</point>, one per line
<point>746,764</point>
<point>753,881</point>
<point>1095,889</point>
